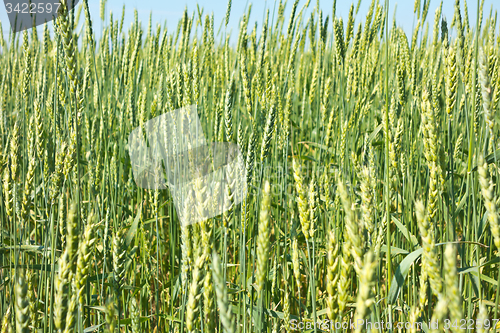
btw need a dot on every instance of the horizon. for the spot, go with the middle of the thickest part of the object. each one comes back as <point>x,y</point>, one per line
<point>404,15</point>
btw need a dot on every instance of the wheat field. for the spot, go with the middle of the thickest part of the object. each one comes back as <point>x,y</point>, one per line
<point>370,159</point>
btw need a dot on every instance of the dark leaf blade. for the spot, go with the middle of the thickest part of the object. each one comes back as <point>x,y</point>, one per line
<point>400,275</point>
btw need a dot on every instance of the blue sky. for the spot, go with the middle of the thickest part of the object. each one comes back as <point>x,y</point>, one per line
<point>170,11</point>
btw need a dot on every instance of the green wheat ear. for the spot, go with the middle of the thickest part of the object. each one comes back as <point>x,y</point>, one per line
<point>119,253</point>
<point>221,292</point>
<point>85,249</point>
<point>450,278</point>
<point>366,296</point>
<point>488,193</point>
<point>429,256</point>
<point>22,305</point>
<point>192,306</point>
<point>263,238</point>
<point>62,291</point>
<point>301,199</point>
<point>6,324</point>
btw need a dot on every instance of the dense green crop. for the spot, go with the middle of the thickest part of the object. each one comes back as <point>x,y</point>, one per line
<point>370,157</point>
